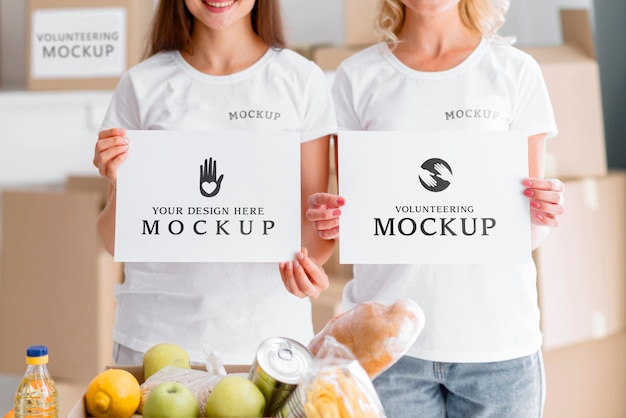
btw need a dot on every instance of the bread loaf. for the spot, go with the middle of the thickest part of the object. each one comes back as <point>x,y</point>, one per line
<point>377,333</point>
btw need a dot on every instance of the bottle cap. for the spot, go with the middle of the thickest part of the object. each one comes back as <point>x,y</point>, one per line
<point>37,354</point>
<point>37,351</point>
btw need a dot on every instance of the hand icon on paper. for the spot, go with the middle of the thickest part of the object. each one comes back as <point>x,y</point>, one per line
<point>209,183</point>
<point>435,175</point>
<point>443,172</point>
<point>427,177</point>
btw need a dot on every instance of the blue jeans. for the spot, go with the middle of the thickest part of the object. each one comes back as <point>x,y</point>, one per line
<point>425,389</point>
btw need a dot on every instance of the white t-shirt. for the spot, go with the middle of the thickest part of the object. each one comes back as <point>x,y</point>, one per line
<point>225,307</point>
<point>474,313</point>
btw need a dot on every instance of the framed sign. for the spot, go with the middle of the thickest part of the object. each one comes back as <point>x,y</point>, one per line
<point>95,47</point>
<point>433,197</point>
<point>84,44</point>
<point>205,196</point>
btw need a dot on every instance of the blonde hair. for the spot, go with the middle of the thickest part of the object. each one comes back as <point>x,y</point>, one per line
<point>484,17</point>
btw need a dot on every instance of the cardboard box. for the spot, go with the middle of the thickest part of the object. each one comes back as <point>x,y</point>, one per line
<point>328,304</point>
<point>338,273</point>
<point>13,43</point>
<point>581,265</point>
<point>89,184</point>
<point>78,410</point>
<point>27,122</point>
<point>572,76</point>
<point>1,45</point>
<point>359,16</point>
<point>78,44</point>
<point>329,57</point>
<point>69,392</point>
<point>56,281</point>
<point>587,380</point>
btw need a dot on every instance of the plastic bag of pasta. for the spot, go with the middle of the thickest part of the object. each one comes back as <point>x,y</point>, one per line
<point>335,386</point>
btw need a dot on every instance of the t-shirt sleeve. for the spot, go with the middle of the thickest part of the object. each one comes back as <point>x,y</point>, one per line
<point>319,112</point>
<point>533,113</point>
<point>343,97</point>
<point>123,110</point>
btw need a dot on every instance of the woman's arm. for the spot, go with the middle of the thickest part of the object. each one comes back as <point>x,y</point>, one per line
<point>110,151</point>
<point>546,195</point>
<point>305,277</point>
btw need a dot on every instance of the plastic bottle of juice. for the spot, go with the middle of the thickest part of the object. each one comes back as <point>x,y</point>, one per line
<point>36,395</point>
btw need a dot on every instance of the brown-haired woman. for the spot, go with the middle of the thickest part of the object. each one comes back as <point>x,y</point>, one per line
<point>206,61</point>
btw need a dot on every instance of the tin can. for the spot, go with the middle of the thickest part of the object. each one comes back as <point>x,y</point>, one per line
<point>293,406</point>
<point>277,367</point>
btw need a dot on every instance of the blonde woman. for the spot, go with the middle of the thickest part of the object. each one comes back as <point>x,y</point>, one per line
<point>479,353</point>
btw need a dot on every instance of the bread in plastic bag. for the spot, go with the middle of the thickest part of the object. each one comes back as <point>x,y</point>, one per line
<point>377,333</point>
<point>335,386</point>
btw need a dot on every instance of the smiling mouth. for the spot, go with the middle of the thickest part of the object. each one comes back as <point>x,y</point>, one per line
<point>219,4</point>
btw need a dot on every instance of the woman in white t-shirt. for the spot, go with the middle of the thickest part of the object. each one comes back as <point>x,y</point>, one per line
<point>218,66</point>
<point>442,66</point>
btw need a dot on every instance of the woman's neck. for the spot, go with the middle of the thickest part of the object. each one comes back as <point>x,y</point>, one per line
<point>225,51</point>
<point>435,43</point>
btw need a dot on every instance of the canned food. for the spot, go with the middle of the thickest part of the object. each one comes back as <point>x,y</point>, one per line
<point>293,406</point>
<point>277,367</point>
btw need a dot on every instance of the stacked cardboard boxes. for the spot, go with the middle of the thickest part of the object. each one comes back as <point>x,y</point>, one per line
<point>581,266</point>
<point>56,280</point>
<point>582,275</point>
<point>359,33</point>
<point>572,76</point>
<point>587,380</point>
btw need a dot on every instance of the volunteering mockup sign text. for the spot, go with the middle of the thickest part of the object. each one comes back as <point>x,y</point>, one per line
<point>78,42</point>
<point>433,197</point>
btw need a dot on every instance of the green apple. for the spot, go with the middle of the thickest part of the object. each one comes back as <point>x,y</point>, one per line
<point>164,354</point>
<point>235,396</point>
<point>171,399</point>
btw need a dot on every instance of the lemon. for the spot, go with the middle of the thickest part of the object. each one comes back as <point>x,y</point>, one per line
<point>113,393</point>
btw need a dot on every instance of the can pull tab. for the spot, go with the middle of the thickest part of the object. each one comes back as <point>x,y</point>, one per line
<point>285,352</point>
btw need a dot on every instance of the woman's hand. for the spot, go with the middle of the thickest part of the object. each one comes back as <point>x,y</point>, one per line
<point>546,200</point>
<point>111,150</point>
<point>324,211</point>
<point>303,276</point>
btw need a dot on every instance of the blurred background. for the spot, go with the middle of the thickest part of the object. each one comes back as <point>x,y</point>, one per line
<point>56,282</point>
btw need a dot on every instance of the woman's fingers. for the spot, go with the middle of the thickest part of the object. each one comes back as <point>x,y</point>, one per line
<point>326,200</point>
<point>106,133</point>
<point>302,277</point>
<point>324,212</point>
<point>546,200</point>
<point>555,185</point>
<point>111,150</point>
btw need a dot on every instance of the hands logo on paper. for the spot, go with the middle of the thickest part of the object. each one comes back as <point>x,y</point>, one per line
<point>435,175</point>
<point>209,182</point>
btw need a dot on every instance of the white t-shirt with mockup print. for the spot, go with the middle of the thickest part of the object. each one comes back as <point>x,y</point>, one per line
<point>226,307</point>
<point>474,313</point>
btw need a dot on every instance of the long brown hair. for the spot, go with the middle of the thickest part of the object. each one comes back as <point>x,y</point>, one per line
<point>172,25</point>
